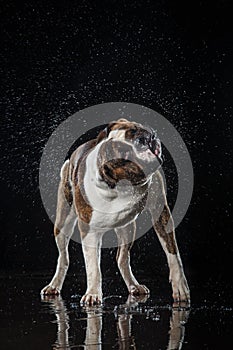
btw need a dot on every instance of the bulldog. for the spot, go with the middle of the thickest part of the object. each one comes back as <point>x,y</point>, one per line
<point>105,184</point>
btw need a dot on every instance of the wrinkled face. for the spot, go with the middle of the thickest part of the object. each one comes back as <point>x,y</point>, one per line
<point>129,151</point>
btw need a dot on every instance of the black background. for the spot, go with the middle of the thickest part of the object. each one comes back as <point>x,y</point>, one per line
<point>58,57</point>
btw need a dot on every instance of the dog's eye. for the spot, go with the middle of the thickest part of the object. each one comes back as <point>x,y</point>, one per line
<point>142,140</point>
<point>133,132</point>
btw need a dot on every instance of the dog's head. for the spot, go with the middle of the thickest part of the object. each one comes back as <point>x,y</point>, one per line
<point>128,151</point>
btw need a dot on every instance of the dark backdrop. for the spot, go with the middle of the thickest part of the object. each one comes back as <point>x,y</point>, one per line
<point>58,57</point>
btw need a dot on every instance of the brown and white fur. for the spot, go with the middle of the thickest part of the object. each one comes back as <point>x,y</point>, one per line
<point>105,185</point>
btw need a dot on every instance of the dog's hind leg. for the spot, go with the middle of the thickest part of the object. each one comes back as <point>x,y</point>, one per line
<point>164,227</point>
<point>125,236</point>
<point>63,229</point>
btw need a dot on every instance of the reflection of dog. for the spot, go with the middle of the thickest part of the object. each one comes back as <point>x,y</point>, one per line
<point>125,314</point>
<point>105,184</point>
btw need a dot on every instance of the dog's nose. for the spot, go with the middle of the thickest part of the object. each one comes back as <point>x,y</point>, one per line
<point>155,146</point>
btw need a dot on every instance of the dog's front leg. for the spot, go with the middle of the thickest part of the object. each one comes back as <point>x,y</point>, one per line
<point>125,236</point>
<point>164,227</point>
<point>91,246</point>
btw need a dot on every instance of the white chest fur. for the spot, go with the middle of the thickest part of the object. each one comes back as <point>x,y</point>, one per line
<point>111,207</point>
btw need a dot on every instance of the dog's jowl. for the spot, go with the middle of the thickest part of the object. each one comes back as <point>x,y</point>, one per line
<point>106,184</point>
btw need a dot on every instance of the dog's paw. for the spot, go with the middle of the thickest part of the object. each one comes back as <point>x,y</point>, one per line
<point>180,290</point>
<point>50,290</point>
<point>91,299</point>
<point>133,300</point>
<point>138,289</point>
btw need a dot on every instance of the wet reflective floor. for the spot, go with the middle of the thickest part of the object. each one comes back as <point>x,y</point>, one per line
<point>31,322</point>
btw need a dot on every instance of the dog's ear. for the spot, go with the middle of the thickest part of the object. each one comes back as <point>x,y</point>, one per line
<point>102,135</point>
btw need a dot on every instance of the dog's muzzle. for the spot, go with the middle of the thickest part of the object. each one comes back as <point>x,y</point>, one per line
<point>148,147</point>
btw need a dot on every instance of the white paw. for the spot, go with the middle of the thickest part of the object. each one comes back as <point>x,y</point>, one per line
<point>180,290</point>
<point>91,299</point>
<point>133,300</point>
<point>50,290</point>
<point>138,289</point>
